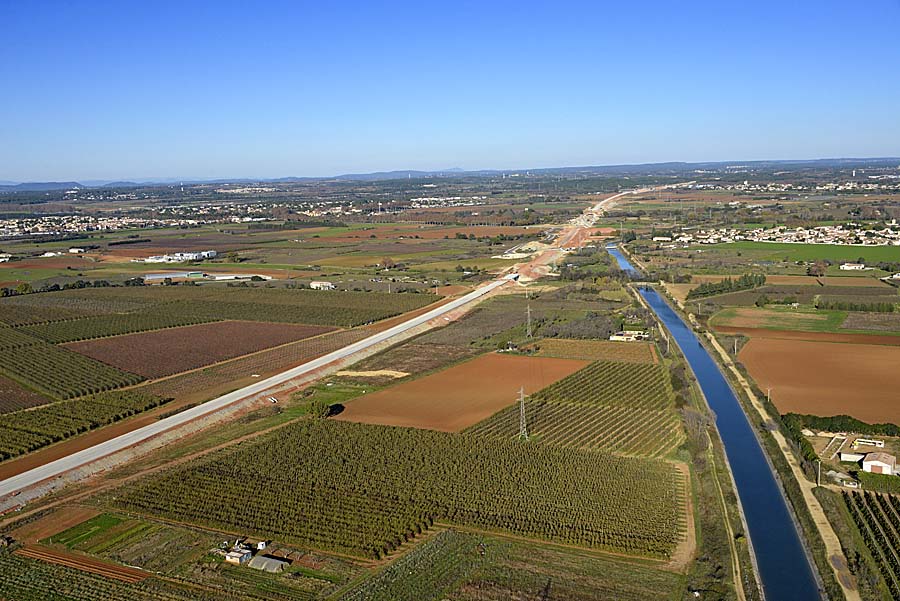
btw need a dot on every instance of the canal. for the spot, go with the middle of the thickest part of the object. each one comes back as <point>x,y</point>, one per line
<point>783,565</point>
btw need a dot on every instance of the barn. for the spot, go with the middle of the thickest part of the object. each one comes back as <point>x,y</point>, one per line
<point>879,463</point>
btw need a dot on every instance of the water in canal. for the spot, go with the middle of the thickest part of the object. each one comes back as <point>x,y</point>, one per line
<point>783,565</point>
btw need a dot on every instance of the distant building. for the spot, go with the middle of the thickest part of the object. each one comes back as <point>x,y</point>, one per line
<point>238,557</point>
<point>853,266</point>
<point>76,251</point>
<point>662,239</point>
<point>879,463</point>
<point>268,564</point>
<point>321,285</point>
<point>630,336</point>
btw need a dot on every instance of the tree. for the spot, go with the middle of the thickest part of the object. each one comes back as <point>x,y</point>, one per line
<point>23,288</point>
<point>387,263</point>
<point>319,408</point>
<point>817,269</point>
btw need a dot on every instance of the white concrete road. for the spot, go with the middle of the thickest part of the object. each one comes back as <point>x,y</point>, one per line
<point>60,466</point>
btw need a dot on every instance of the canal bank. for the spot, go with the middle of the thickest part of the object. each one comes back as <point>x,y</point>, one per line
<point>783,566</point>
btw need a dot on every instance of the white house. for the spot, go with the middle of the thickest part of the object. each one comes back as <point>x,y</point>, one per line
<point>879,463</point>
<point>853,266</point>
<point>321,285</point>
<point>76,251</point>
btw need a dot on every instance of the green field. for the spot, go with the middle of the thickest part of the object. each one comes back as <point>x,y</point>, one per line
<point>775,251</point>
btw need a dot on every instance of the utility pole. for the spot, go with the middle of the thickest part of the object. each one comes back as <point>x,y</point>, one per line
<point>528,326</point>
<point>769,394</point>
<point>523,428</point>
<point>735,347</point>
<point>818,472</point>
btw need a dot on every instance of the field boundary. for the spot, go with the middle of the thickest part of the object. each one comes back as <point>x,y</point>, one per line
<point>83,563</point>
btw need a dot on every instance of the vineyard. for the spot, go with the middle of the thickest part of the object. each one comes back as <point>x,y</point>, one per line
<point>60,373</point>
<point>25,431</point>
<point>632,385</point>
<point>113,325</point>
<point>596,350</point>
<point>428,572</point>
<point>877,516</point>
<point>625,430</point>
<point>364,490</point>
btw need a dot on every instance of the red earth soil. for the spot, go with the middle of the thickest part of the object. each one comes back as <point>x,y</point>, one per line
<point>824,378</point>
<point>460,396</point>
<point>83,563</point>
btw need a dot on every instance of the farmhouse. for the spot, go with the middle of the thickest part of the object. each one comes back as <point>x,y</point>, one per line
<point>853,266</point>
<point>879,463</point>
<point>76,251</point>
<point>238,557</point>
<point>321,285</point>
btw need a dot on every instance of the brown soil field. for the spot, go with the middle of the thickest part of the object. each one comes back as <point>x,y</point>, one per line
<point>596,350</point>
<point>824,378</point>
<point>461,396</point>
<point>453,290</point>
<point>14,397</point>
<point>83,563</point>
<point>173,350</point>
<point>53,523</point>
<point>753,317</point>
<point>813,336</point>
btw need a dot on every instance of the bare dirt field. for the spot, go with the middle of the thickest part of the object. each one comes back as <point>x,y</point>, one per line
<point>873,339</point>
<point>461,396</point>
<point>53,523</point>
<point>173,350</point>
<point>84,563</point>
<point>824,378</point>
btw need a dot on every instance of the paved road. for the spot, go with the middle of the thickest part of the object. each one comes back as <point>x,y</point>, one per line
<point>75,460</point>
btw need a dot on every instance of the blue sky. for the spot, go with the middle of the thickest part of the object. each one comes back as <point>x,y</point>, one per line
<point>127,89</point>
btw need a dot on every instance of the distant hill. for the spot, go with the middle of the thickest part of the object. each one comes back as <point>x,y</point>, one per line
<point>40,186</point>
<point>628,169</point>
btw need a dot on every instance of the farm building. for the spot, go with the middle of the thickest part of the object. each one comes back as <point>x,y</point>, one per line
<point>851,457</point>
<point>268,564</point>
<point>879,463</point>
<point>853,266</point>
<point>321,285</point>
<point>238,557</point>
<point>630,336</point>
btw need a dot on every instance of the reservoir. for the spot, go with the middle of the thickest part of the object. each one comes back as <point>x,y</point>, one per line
<point>783,565</point>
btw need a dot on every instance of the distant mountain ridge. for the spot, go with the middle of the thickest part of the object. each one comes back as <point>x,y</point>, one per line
<point>636,168</point>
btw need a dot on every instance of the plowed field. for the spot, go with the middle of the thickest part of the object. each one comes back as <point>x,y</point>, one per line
<point>824,378</point>
<point>461,396</point>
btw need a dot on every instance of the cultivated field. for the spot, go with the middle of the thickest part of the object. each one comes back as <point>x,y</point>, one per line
<point>460,396</point>
<point>623,430</point>
<point>877,519</point>
<point>613,384</point>
<point>165,352</point>
<point>14,397</point>
<point>25,431</point>
<point>826,378</point>
<point>596,350</point>
<point>363,490</point>
<point>778,319</point>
